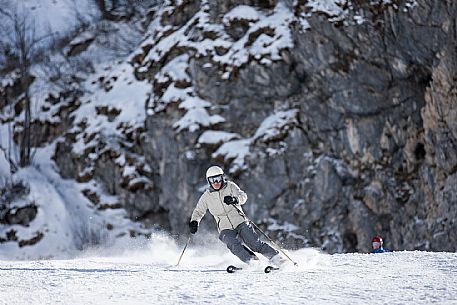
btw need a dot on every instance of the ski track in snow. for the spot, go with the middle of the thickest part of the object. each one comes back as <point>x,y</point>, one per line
<point>149,278</point>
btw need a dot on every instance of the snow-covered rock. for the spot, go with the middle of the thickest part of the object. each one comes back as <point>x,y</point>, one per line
<point>335,116</point>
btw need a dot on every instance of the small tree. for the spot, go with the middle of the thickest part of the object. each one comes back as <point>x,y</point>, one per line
<point>24,40</point>
<point>23,45</point>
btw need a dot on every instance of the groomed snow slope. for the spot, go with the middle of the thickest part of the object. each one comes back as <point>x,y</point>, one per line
<point>148,276</point>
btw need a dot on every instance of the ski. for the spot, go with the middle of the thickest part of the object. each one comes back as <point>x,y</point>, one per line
<point>268,269</point>
<point>233,269</point>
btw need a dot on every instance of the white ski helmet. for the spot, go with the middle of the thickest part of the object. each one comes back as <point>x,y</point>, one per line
<point>214,171</point>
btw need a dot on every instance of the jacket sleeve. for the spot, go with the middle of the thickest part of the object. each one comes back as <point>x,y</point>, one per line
<point>239,194</point>
<point>200,210</point>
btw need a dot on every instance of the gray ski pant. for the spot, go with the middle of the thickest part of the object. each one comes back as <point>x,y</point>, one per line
<point>244,233</point>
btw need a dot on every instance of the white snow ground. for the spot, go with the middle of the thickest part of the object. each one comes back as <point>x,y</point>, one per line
<point>149,276</point>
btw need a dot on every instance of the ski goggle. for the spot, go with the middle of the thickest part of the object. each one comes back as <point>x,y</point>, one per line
<point>376,244</point>
<point>215,179</point>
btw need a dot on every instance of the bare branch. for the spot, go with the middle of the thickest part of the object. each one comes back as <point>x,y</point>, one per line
<point>5,13</point>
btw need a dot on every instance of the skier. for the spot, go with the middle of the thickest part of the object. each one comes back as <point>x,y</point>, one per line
<point>223,199</point>
<point>376,244</point>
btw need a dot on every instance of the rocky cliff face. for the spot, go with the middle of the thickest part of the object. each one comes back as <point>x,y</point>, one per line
<point>338,120</point>
<point>347,116</point>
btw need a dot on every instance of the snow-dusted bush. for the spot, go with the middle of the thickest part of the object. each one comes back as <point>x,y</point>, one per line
<point>11,190</point>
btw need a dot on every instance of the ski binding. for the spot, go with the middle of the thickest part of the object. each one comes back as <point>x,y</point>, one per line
<point>233,269</point>
<point>268,269</point>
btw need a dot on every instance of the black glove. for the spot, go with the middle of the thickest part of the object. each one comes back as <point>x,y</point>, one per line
<point>228,200</point>
<point>193,226</point>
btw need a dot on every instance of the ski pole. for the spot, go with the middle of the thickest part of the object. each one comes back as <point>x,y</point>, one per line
<point>271,240</point>
<point>182,253</point>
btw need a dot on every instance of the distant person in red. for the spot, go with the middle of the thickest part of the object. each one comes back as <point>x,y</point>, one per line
<point>376,244</point>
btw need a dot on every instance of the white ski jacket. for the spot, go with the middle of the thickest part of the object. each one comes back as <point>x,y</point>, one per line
<point>226,216</point>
